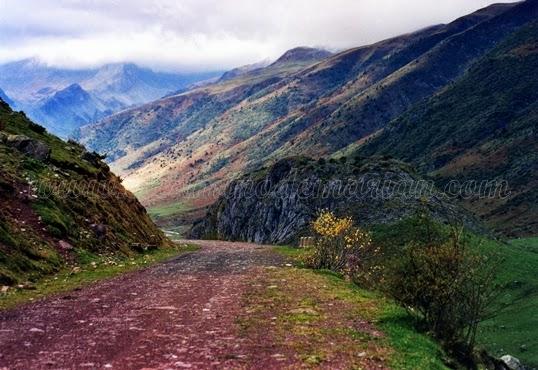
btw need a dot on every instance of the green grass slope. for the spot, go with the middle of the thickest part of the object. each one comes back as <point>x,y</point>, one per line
<point>512,325</point>
<point>53,207</point>
<point>514,329</point>
<point>483,127</point>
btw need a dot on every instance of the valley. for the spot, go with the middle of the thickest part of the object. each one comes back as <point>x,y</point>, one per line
<point>198,190</point>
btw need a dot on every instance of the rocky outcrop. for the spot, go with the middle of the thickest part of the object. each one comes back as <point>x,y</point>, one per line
<point>31,147</point>
<point>277,204</point>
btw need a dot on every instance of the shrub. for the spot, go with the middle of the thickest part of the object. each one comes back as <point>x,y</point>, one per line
<point>37,128</point>
<point>435,272</point>
<point>339,245</point>
<point>448,287</point>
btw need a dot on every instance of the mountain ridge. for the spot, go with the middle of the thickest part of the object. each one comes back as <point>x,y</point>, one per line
<point>204,138</point>
<point>480,128</point>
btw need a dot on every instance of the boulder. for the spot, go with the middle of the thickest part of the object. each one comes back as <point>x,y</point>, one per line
<point>512,363</point>
<point>31,147</point>
<point>65,246</point>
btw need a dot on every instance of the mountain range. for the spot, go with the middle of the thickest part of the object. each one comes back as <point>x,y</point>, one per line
<point>180,153</point>
<point>64,99</point>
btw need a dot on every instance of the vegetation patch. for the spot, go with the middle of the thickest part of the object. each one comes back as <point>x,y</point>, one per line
<point>57,198</point>
<point>320,319</point>
<point>164,212</point>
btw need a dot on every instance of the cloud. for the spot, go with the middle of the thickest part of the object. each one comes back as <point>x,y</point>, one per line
<point>204,34</point>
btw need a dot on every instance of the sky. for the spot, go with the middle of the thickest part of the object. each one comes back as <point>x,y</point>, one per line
<point>204,35</point>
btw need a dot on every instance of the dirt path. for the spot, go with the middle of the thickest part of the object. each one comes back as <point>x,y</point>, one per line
<point>180,314</point>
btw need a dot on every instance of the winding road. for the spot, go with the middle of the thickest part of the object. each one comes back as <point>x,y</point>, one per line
<point>178,314</point>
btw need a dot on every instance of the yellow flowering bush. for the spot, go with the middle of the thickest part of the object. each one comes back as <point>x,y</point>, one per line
<point>328,225</point>
<point>339,245</point>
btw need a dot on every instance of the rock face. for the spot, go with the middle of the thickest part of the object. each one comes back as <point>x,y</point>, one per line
<point>277,204</point>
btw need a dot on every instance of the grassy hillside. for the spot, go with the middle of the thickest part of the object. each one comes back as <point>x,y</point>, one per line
<point>59,200</point>
<point>512,325</point>
<point>514,328</point>
<point>483,127</point>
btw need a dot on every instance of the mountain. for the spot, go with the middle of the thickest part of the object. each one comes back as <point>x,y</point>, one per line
<point>110,88</point>
<point>302,55</point>
<point>59,201</point>
<point>131,85</point>
<point>481,128</point>
<point>6,98</point>
<point>30,80</point>
<point>184,150</point>
<point>166,117</point>
<point>70,108</point>
<point>296,189</point>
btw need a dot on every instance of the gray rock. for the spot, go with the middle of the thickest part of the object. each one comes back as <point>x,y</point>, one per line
<point>276,205</point>
<point>512,362</point>
<point>31,147</point>
<point>63,245</point>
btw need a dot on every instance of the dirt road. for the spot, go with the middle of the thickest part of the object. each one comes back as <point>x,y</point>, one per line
<point>179,314</point>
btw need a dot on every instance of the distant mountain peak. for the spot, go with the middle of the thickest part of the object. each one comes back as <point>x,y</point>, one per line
<point>120,68</point>
<point>302,54</point>
<point>6,99</point>
<point>33,62</point>
<point>243,70</point>
<point>64,98</point>
<point>71,93</point>
<point>73,88</point>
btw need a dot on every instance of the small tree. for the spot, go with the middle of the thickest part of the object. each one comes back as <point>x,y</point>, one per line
<point>448,287</point>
